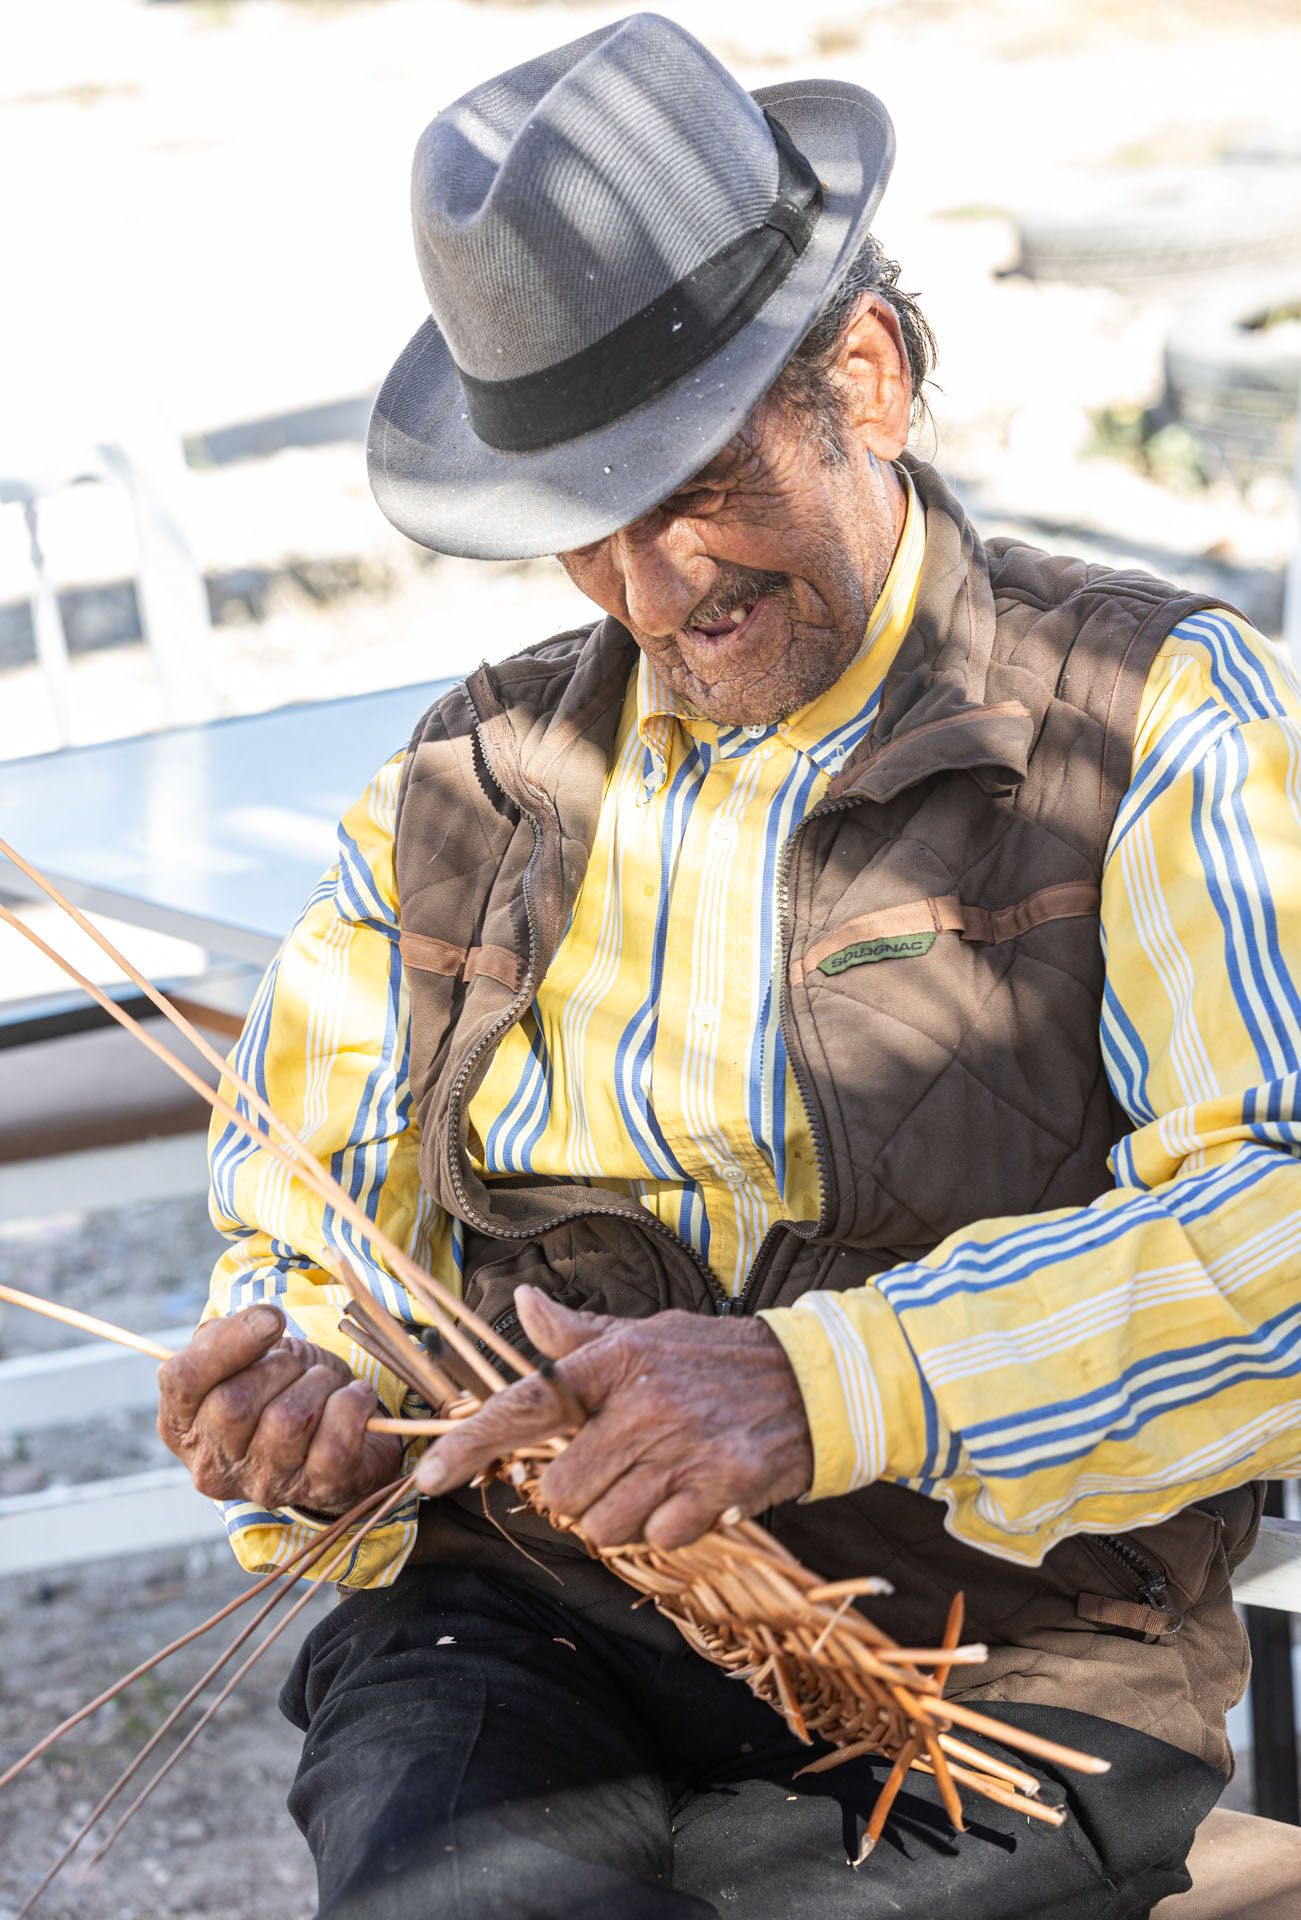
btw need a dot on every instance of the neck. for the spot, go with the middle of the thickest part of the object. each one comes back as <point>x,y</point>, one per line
<point>892,497</point>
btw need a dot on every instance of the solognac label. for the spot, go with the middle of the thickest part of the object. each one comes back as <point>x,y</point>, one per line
<point>864,953</point>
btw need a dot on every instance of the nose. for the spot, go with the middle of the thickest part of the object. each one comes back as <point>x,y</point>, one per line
<point>665,576</point>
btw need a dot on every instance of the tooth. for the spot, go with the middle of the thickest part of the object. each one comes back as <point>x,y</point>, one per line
<point>738,614</point>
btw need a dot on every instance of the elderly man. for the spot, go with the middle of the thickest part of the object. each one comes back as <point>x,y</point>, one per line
<point>838,1006</point>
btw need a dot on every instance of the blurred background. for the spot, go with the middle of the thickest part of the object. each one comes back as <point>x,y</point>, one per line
<point>205,233</point>
<point>207,272</point>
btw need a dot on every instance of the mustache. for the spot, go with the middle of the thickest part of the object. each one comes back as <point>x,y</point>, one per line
<point>742,585</point>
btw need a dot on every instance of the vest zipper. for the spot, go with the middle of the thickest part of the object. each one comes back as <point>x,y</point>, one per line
<point>841,804</point>
<point>763,1258</point>
<point>1143,1574</point>
<point>505,1324</point>
<point>787,1016</point>
<point>723,1302</point>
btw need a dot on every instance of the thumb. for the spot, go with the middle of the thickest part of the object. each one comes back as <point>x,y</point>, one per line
<point>556,1330</point>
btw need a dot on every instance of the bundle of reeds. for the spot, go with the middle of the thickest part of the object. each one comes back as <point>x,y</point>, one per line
<point>803,1645</point>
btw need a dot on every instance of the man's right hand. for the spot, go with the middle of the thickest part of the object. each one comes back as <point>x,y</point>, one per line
<point>275,1421</point>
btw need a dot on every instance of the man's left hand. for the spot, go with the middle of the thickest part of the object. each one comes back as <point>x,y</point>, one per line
<point>686,1417</point>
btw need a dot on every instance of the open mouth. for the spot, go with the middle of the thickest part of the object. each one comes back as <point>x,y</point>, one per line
<point>729,624</point>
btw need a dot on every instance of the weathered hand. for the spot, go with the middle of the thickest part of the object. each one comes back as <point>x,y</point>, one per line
<point>686,1418</point>
<point>278,1421</point>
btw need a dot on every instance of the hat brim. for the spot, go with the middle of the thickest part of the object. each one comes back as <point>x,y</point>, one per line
<point>447,489</point>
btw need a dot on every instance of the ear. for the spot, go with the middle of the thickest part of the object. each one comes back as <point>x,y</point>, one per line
<point>872,368</point>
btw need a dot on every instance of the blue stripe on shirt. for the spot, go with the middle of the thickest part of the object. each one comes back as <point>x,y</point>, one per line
<point>1029,1250</point>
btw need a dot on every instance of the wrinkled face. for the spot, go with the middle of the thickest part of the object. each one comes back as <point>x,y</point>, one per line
<point>750,588</point>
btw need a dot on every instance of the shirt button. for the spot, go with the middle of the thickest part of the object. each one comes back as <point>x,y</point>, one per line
<point>706,1014</point>
<point>756,733</point>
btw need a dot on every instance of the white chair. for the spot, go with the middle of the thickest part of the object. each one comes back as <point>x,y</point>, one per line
<point>39,459</point>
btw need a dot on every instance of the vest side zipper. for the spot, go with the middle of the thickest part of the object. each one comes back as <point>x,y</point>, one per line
<point>723,1302</point>
<point>504,1325</point>
<point>1142,1573</point>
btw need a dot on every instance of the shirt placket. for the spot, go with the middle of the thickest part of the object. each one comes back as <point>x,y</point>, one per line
<point>708,1017</point>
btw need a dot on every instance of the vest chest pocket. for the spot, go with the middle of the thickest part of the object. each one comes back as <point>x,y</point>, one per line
<point>952,1054</point>
<point>909,931</point>
<point>1011,991</point>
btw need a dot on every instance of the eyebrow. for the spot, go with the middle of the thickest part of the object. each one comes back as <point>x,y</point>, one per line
<point>710,476</point>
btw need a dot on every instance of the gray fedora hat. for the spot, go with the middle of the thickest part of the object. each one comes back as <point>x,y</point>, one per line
<point>621,248</point>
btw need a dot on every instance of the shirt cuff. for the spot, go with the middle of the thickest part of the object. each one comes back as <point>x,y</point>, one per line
<point>262,1541</point>
<point>861,1388</point>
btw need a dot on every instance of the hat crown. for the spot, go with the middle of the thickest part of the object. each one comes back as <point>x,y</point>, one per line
<point>559,199</point>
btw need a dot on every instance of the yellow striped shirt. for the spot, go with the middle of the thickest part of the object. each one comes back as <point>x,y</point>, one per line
<point>652,1061</point>
<point>1139,1352</point>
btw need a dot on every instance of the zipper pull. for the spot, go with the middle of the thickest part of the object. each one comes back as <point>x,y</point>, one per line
<point>1157,1595</point>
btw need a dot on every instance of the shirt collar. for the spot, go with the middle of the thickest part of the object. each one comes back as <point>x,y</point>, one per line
<point>829,728</point>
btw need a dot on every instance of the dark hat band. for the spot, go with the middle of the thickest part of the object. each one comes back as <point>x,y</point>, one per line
<point>669,338</point>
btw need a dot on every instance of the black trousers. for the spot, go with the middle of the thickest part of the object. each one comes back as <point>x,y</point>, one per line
<point>474,1750</point>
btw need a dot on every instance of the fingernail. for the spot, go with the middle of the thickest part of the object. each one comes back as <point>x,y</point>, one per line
<point>264,1321</point>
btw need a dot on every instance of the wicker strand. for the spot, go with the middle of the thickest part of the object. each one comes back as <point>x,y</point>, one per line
<point>281,1144</point>
<point>377,1506</point>
<point>735,1594</point>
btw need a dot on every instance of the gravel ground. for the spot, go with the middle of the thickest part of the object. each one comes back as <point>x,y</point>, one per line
<point>69,1633</point>
<point>215,1840</point>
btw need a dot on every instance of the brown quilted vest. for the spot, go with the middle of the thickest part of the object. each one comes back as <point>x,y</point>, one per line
<point>941,1090</point>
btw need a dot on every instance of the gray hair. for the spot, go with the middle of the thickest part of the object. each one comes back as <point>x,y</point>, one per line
<point>805,384</point>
